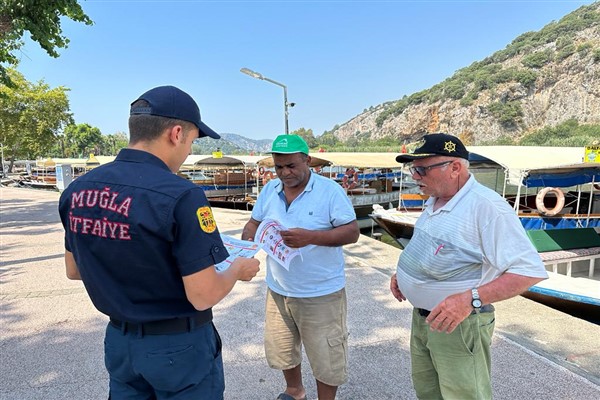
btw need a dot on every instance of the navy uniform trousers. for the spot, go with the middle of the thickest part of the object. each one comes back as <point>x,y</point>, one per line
<point>176,366</point>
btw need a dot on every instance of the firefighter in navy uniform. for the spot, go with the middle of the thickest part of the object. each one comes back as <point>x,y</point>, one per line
<point>144,241</point>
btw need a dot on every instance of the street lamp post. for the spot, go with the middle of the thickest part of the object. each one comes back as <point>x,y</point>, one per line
<point>2,172</point>
<point>285,101</point>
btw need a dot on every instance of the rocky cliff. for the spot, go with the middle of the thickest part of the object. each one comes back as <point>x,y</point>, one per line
<point>541,79</point>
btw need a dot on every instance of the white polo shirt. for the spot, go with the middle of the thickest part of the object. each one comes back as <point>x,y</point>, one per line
<point>468,242</point>
<point>322,205</point>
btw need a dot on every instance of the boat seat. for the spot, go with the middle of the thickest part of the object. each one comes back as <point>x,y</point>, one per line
<point>557,246</point>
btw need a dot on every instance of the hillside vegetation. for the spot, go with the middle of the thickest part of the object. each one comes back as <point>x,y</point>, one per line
<point>543,84</point>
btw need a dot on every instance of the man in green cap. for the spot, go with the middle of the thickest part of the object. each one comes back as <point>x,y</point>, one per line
<point>306,305</point>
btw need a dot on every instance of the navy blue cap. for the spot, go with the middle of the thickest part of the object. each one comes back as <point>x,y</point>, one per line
<point>171,102</point>
<point>436,144</point>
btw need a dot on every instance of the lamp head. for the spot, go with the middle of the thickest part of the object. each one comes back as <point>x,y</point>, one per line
<point>251,73</point>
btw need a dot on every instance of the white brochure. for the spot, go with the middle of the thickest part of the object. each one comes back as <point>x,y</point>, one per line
<point>237,248</point>
<point>269,237</point>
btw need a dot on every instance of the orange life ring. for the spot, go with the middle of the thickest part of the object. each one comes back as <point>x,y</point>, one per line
<point>261,171</point>
<point>560,201</point>
<point>267,176</point>
<point>350,183</point>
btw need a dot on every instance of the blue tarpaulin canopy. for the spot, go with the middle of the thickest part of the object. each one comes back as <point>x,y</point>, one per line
<point>536,166</point>
<point>579,176</point>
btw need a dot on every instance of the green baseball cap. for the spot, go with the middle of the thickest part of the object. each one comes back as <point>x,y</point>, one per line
<point>289,144</point>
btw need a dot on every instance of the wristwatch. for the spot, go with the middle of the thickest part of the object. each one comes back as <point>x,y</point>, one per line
<point>476,301</point>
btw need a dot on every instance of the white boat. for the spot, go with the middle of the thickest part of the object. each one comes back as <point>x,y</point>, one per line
<point>576,289</point>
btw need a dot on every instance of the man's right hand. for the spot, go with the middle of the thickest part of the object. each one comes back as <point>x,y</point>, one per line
<point>395,289</point>
<point>247,268</point>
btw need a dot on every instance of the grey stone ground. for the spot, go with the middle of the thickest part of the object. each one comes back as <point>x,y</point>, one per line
<point>51,336</point>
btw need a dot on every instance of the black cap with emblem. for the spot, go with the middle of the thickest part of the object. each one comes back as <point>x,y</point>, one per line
<point>436,144</point>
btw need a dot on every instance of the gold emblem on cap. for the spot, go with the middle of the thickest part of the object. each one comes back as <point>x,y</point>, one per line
<point>450,147</point>
<point>206,219</point>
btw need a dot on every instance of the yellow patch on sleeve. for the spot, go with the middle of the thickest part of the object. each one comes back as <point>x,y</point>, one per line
<point>206,219</point>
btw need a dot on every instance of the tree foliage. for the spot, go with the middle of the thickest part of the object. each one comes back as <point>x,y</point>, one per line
<point>509,113</point>
<point>307,135</point>
<point>111,144</point>
<point>538,59</point>
<point>568,133</point>
<point>31,116</point>
<point>79,140</point>
<point>41,18</point>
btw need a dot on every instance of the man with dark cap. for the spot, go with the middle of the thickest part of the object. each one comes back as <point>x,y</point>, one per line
<point>306,304</point>
<point>468,251</point>
<point>144,241</point>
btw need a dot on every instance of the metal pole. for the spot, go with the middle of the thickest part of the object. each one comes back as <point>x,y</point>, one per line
<point>285,108</point>
<point>285,102</point>
<point>260,76</point>
<point>2,160</point>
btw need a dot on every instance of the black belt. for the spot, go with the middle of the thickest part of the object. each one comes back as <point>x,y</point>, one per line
<point>165,326</point>
<point>484,309</point>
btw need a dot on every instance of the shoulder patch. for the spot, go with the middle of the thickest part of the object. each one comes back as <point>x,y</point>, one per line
<point>206,219</point>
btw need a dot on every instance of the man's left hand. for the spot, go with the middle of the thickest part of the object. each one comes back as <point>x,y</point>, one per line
<point>296,237</point>
<point>447,315</point>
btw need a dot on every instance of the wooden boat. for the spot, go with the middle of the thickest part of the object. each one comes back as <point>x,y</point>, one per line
<point>377,179</point>
<point>41,174</point>
<point>228,181</point>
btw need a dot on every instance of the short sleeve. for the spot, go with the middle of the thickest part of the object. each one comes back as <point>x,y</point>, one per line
<point>197,242</point>
<point>258,210</point>
<point>505,232</point>
<point>341,209</point>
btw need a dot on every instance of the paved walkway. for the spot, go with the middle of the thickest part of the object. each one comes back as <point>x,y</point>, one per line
<point>51,335</point>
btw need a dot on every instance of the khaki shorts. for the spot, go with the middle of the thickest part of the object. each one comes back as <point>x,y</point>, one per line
<point>317,322</point>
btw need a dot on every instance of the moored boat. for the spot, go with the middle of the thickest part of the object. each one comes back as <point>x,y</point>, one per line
<point>227,181</point>
<point>368,179</point>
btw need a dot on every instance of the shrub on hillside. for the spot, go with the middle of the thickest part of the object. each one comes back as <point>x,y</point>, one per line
<point>538,59</point>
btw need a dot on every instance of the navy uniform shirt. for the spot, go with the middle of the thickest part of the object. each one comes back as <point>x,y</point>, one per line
<point>135,229</point>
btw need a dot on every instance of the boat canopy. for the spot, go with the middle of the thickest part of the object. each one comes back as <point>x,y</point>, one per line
<point>228,161</point>
<point>315,161</point>
<point>191,160</point>
<point>49,162</point>
<point>92,161</point>
<point>537,166</point>
<point>104,159</point>
<point>356,160</point>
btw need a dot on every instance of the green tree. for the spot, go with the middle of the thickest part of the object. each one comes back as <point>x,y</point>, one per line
<point>41,18</point>
<point>82,139</point>
<point>307,135</point>
<point>113,143</point>
<point>567,133</point>
<point>538,59</point>
<point>31,115</point>
<point>327,140</point>
<point>509,113</point>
